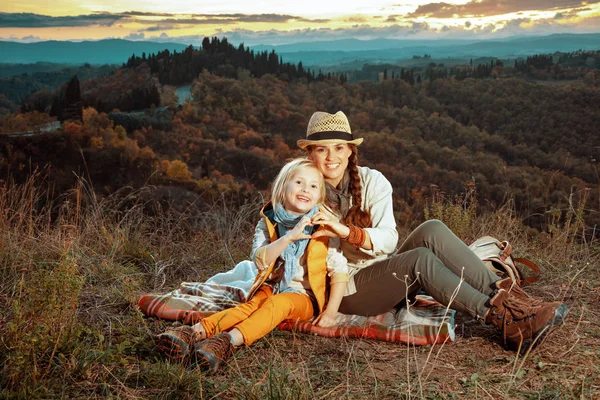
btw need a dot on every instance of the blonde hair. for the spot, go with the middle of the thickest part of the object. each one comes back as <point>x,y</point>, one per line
<point>285,175</point>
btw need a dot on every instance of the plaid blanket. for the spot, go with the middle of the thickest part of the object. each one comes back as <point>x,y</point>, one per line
<point>424,322</point>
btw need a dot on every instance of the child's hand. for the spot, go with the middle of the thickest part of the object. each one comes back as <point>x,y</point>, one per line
<point>326,319</point>
<point>332,227</point>
<point>298,232</point>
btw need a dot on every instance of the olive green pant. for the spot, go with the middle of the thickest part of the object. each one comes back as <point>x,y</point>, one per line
<point>432,259</point>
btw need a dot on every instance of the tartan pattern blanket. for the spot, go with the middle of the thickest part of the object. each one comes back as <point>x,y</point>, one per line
<point>424,322</point>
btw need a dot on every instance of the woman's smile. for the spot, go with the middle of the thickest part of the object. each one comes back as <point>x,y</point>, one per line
<point>332,160</point>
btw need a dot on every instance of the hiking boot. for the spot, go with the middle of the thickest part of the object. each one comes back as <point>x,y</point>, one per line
<point>516,290</point>
<point>176,343</point>
<point>213,352</point>
<point>519,320</point>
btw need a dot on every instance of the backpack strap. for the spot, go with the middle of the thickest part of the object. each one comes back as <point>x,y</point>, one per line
<point>506,250</point>
<point>533,266</point>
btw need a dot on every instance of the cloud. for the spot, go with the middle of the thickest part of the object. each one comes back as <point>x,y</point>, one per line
<point>418,27</point>
<point>30,20</point>
<point>24,39</point>
<point>589,25</point>
<point>135,36</point>
<point>193,21</point>
<point>158,28</point>
<point>416,30</point>
<point>356,19</point>
<point>363,32</point>
<point>484,8</point>
<point>568,14</point>
<point>146,14</point>
<point>398,26</point>
<point>216,19</point>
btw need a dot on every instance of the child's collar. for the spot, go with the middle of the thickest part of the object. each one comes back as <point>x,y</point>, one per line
<point>269,213</point>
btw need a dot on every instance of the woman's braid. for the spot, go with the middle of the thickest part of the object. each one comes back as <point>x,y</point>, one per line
<point>356,216</point>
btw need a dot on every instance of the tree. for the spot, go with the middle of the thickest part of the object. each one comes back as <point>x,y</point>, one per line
<point>179,170</point>
<point>73,106</point>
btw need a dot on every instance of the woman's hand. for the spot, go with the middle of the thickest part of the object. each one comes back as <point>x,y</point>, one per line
<point>332,228</point>
<point>326,319</point>
<point>298,232</point>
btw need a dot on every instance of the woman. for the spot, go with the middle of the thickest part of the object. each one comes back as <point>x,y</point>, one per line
<point>432,258</point>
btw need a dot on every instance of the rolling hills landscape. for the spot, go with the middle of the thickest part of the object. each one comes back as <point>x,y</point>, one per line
<point>112,186</point>
<point>116,51</point>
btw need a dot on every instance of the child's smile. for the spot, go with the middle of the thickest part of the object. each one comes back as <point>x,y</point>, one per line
<point>302,191</point>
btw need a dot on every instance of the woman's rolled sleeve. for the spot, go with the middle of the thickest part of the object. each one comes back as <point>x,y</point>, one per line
<point>378,202</point>
<point>337,264</point>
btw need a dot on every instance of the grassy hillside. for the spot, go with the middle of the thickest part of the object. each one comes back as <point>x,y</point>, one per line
<point>72,272</point>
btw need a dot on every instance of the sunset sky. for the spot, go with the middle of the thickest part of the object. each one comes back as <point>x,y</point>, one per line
<point>279,22</point>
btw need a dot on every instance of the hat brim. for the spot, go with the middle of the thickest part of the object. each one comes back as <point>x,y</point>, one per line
<point>304,143</point>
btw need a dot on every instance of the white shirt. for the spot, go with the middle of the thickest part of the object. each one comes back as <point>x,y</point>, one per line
<point>376,193</point>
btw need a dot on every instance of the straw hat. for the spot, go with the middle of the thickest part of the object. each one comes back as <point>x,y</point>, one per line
<point>324,128</point>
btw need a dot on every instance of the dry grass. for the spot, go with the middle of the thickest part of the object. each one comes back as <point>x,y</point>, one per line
<point>72,271</point>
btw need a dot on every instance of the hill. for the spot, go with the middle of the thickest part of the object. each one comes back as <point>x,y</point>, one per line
<point>117,51</point>
<point>532,143</point>
<point>109,51</point>
<point>71,328</point>
<point>386,50</point>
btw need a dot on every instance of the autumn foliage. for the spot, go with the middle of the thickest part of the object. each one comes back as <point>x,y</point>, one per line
<point>531,143</point>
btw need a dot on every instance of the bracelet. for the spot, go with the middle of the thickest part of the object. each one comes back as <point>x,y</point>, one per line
<point>357,236</point>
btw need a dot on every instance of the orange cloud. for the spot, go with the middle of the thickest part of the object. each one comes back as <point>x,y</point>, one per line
<point>30,20</point>
<point>485,8</point>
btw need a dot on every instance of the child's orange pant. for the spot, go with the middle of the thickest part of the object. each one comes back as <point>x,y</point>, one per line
<point>260,315</point>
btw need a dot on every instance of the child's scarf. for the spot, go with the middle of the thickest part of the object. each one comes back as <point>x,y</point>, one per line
<point>290,256</point>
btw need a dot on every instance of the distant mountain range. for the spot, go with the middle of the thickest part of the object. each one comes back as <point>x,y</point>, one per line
<point>109,51</point>
<point>387,50</point>
<point>116,51</point>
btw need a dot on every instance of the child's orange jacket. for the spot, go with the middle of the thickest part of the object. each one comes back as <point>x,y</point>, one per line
<point>316,261</point>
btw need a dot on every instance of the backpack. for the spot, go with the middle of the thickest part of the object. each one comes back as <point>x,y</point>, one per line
<point>496,255</point>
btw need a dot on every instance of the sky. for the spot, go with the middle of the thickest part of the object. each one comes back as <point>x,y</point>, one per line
<point>282,22</point>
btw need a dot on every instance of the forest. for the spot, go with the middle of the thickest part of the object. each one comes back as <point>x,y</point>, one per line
<point>19,81</point>
<point>509,138</point>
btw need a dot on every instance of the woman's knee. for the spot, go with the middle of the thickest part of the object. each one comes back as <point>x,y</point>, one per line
<point>423,261</point>
<point>418,255</point>
<point>432,227</point>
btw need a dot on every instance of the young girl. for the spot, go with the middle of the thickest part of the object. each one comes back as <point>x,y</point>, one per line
<point>291,280</point>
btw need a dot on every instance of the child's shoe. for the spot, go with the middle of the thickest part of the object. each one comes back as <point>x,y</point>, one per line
<point>213,352</point>
<point>176,343</point>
